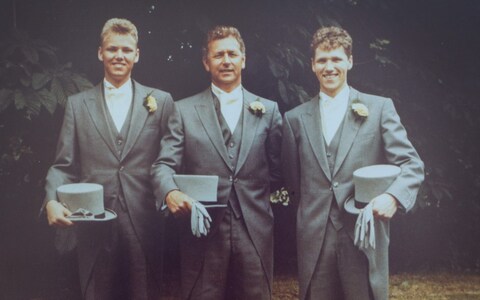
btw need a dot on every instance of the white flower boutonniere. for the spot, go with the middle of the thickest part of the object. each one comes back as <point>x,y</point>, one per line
<point>150,103</point>
<point>360,110</point>
<point>280,196</point>
<point>257,108</point>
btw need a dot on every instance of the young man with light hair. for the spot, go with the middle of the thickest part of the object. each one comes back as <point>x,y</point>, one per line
<point>111,136</point>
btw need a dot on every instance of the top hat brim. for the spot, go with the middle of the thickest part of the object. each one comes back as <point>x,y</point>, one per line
<point>213,205</point>
<point>350,206</point>
<point>109,215</point>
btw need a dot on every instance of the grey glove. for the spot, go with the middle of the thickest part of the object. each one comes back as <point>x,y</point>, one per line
<point>200,220</point>
<point>365,228</point>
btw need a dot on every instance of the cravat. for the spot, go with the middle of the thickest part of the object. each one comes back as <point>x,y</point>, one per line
<point>221,120</point>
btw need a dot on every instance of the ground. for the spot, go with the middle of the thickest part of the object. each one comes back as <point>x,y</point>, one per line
<point>431,286</point>
<point>438,286</point>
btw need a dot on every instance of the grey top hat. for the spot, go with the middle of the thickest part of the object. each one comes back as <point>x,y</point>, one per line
<point>369,183</point>
<point>202,188</point>
<point>85,201</point>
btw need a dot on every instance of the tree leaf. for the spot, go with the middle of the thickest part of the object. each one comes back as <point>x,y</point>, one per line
<point>58,92</point>
<point>81,82</point>
<point>277,69</point>
<point>39,80</point>
<point>48,100</point>
<point>33,104</point>
<point>282,90</point>
<point>20,100</point>
<point>68,85</point>
<point>6,98</point>
<point>30,54</point>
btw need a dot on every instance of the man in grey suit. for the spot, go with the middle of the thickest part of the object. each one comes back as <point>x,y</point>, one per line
<point>111,135</point>
<point>324,141</point>
<point>229,132</point>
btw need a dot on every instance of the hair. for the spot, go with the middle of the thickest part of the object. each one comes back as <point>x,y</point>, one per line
<point>221,32</point>
<point>119,26</point>
<point>329,38</point>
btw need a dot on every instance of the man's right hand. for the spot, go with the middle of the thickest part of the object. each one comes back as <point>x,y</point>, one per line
<point>178,203</point>
<point>57,214</point>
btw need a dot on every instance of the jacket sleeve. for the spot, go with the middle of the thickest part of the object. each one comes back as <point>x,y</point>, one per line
<point>64,169</point>
<point>273,148</point>
<point>400,151</point>
<point>170,158</point>
<point>290,160</point>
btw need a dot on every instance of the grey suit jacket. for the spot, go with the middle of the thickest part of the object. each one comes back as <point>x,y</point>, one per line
<point>380,138</point>
<point>194,145</point>
<point>86,153</point>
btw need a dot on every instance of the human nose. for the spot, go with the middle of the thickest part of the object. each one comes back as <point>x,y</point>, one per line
<point>119,54</point>
<point>329,65</point>
<point>226,59</point>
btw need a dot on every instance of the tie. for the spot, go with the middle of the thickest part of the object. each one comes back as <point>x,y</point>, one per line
<point>221,120</point>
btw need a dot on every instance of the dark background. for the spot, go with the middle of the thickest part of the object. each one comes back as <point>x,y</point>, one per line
<point>423,54</point>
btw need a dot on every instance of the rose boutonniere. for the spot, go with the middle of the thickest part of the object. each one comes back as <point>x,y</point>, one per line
<point>257,108</point>
<point>150,103</point>
<point>360,110</point>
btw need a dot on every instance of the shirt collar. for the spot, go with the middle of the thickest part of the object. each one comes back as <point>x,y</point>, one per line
<point>343,96</point>
<point>233,95</point>
<point>124,88</point>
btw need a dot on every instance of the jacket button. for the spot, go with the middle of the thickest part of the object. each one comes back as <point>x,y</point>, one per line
<point>335,184</point>
<point>230,178</point>
<point>122,168</point>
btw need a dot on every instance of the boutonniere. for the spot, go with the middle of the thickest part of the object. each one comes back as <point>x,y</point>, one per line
<point>150,103</point>
<point>359,109</point>
<point>257,108</point>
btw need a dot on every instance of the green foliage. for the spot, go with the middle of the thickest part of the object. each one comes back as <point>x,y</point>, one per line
<point>31,78</point>
<point>33,86</point>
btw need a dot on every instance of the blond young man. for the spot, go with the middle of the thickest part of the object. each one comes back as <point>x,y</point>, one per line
<point>110,136</point>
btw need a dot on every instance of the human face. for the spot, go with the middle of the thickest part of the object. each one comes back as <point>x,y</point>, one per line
<point>331,68</point>
<point>225,62</point>
<point>118,53</point>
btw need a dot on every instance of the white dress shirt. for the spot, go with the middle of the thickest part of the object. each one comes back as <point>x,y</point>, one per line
<point>332,112</point>
<point>118,101</point>
<point>231,105</point>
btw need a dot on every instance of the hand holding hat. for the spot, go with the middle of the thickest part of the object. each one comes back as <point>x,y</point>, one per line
<point>57,214</point>
<point>370,200</point>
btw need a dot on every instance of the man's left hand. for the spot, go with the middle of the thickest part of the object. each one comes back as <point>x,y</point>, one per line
<point>384,206</point>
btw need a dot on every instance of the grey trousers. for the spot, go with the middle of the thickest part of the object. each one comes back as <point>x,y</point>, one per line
<point>341,271</point>
<point>121,270</point>
<point>232,268</point>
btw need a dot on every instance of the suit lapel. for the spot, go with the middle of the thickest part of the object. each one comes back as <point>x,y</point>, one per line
<point>249,124</point>
<point>96,109</point>
<point>351,125</point>
<point>313,128</point>
<point>208,118</point>
<point>139,116</point>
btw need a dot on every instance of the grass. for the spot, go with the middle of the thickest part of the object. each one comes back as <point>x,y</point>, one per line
<point>438,286</point>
